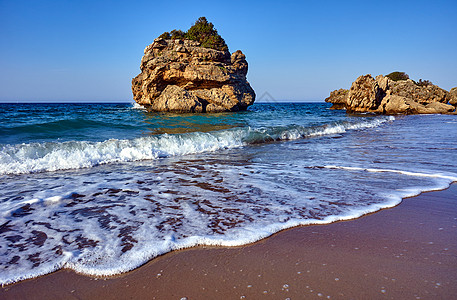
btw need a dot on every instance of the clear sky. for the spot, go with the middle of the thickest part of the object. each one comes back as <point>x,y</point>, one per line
<point>297,50</point>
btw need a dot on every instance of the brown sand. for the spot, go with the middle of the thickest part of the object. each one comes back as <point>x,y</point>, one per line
<point>407,252</point>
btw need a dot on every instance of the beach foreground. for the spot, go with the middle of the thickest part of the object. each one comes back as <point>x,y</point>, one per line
<point>407,252</point>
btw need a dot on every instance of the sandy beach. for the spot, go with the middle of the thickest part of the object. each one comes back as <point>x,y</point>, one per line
<point>407,252</point>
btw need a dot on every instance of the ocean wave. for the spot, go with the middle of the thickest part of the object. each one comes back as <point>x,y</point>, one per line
<point>53,156</point>
<point>137,106</point>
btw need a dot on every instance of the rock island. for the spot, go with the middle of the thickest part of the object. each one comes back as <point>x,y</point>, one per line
<point>393,94</point>
<point>194,72</point>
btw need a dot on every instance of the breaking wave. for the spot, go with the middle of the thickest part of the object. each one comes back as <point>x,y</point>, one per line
<point>53,156</point>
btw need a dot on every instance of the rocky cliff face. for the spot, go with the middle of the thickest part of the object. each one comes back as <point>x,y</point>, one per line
<point>181,76</point>
<point>384,96</point>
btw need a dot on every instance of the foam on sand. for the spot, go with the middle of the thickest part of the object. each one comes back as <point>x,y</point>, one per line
<point>106,225</point>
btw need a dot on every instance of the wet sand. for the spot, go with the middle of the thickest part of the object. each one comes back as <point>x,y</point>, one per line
<point>407,252</point>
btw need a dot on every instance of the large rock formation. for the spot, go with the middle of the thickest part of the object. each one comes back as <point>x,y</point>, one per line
<point>385,96</point>
<point>178,75</point>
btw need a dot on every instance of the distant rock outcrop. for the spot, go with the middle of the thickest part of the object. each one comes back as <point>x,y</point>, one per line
<point>385,96</point>
<point>180,75</point>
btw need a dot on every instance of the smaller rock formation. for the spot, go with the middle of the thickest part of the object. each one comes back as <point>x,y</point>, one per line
<point>182,75</point>
<point>385,96</point>
<point>338,99</point>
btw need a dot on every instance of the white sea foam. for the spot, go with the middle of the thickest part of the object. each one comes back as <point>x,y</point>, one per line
<point>452,178</point>
<point>39,157</point>
<point>137,106</point>
<point>113,219</point>
<point>154,194</point>
<point>52,156</point>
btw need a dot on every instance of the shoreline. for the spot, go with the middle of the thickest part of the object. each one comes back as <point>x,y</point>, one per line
<point>408,251</point>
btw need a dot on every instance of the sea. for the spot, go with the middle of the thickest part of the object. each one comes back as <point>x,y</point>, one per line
<point>103,188</point>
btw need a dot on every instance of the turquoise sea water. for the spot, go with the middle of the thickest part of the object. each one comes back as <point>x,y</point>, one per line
<point>103,188</point>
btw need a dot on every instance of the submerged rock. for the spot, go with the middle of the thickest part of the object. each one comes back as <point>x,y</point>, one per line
<point>179,75</point>
<point>385,96</point>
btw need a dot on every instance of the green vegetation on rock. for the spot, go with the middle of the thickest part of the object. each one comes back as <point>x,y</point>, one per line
<point>203,32</point>
<point>177,34</point>
<point>396,76</point>
<point>423,82</point>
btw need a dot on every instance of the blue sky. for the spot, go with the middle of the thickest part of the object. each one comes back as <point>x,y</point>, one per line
<point>297,50</point>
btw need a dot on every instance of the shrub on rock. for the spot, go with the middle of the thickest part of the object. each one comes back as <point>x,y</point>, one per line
<point>202,31</point>
<point>397,76</point>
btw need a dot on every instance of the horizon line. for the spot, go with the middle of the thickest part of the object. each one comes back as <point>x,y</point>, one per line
<point>132,102</point>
